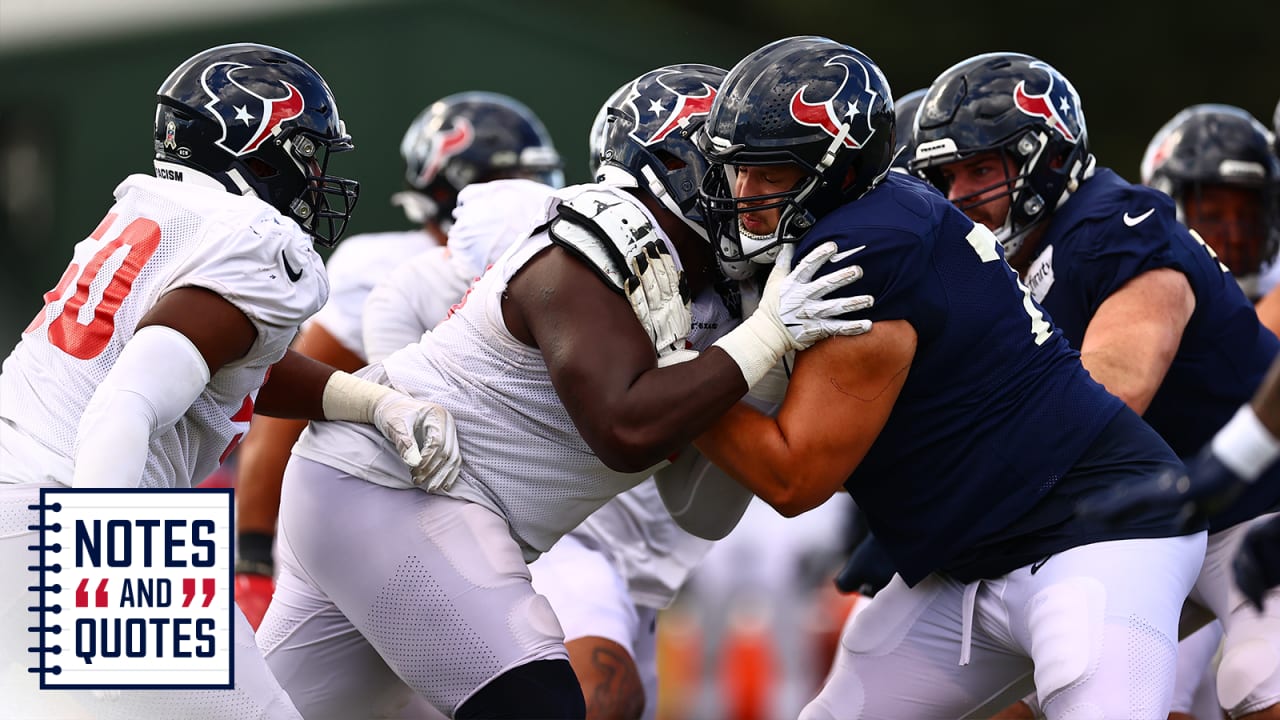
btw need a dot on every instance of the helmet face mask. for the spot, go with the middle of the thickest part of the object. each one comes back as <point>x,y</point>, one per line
<point>253,119</point>
<point>467,138</point>
<point>645,137</point>
<point>807,102</point>
<point>1020,106</point>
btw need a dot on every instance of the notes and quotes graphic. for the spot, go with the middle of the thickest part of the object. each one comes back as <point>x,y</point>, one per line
<point>135,589</point>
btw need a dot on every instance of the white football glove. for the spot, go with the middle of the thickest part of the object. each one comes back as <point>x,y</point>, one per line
<point>659,295</point>
<point>425,436</point>
<point>794,313</point>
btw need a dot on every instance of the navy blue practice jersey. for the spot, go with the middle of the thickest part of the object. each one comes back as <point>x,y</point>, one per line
<point>1111,231</point>
<point>996,407</point>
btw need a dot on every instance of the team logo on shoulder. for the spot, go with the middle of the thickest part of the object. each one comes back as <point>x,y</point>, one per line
<point>839,118</point>
<point>442,145</point>
<point>663,108</point>
<point>1058,104</point>
<point>247,117</point>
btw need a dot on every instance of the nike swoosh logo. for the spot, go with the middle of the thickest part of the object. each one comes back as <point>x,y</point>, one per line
<point>1131,221</point>
<point>842,255</point>
<point>294,275</point>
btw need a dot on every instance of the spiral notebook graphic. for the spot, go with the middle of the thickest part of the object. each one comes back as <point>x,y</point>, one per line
<point>135,589</point>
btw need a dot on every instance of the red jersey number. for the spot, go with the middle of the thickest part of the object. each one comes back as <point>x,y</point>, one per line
<point>142,236</point>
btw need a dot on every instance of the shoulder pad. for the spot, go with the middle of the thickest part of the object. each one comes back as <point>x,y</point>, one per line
<point>604,230</point>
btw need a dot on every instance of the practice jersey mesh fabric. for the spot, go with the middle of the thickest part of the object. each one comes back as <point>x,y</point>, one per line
<point>500,393</point>
<point>238,247</point>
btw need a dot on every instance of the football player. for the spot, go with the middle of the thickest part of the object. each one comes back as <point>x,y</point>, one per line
<point>152,350</point>
<point>1156,318</point>
<point>550,365</point>
<point>458,140</point>
<point>1216,162</point>
<point>962,424</point>
<point>607,579</point>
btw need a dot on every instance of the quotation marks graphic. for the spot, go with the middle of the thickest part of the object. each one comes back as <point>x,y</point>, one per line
<point>189,591</point>
<point>99,596</point>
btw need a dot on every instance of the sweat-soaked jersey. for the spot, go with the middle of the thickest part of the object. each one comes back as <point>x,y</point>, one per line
<point>159,236</point>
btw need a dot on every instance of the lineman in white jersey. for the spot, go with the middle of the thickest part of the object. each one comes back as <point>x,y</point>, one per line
<point>561,406</point>
<point>149,354</point>
<point>457,140</point>
<point>608,578</point>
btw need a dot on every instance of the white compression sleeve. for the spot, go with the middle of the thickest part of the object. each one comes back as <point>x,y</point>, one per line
<point>153,382</point>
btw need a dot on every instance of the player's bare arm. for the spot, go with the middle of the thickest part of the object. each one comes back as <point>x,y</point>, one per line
<point>632,414</point>
<point>218,329</point>
<point>794,463</point>
<point>1135,334</point>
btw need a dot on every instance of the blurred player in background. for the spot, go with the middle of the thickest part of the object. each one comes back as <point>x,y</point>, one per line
<point>457,140</point>
<point>1217,164</point>
<point>193,286</point>
<point>1155,317</point>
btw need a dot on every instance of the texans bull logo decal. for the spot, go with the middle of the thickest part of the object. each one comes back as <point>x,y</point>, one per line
<point>444,144</point>
<point>1058,105</point>
<point>662,109</point>
<point>247,118</point>
<point>839,122</point>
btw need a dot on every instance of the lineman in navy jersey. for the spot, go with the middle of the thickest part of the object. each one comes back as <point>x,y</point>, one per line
<point>1157,319</point>
<point>962,423</point>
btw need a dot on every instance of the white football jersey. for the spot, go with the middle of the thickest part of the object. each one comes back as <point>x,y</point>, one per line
<point>359,263</point>
<point>159,236</point>
<point>522,455</point>
<point>489,218</point>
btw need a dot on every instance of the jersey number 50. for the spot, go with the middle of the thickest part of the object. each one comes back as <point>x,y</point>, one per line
<point>102,299</point>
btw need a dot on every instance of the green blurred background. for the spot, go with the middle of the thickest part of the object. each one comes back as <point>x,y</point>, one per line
<point>76,103</point>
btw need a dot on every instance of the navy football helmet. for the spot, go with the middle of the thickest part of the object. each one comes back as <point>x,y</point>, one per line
<point>1219,145</point>
<point>647,136</point>
<point>254,119</point>
<point>904,129</point>
<point>1016,104</point>
<point>809,101</point>
<point>598,134</point>
<point>471,137</point>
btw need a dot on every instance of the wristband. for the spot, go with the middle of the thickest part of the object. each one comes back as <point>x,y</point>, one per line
<point>1245,445</point>
<point>347,397</point>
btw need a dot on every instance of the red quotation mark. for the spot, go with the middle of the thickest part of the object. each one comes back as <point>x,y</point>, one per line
<point>99,596</point>
<point>208,588</point>
<point>88,341</point>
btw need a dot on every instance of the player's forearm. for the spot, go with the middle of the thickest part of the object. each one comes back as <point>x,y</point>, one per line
<point>752,449</point>
<point>660,413</point>
<point>295,388</point>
